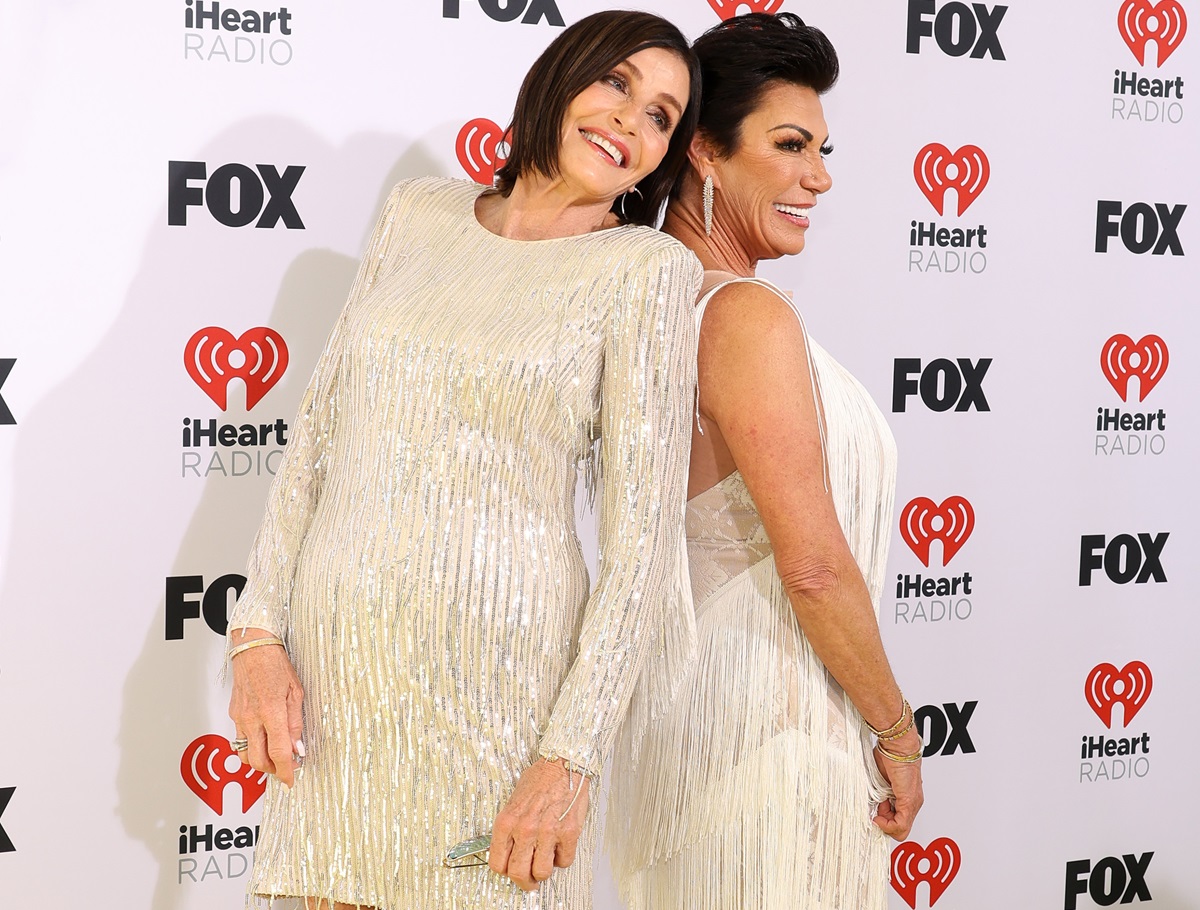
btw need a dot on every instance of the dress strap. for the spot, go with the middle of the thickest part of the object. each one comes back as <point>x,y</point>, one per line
<point>714,281</point>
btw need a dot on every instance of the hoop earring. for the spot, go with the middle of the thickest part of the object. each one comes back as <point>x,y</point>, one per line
<point>623,195</point>
<point>708,204</point>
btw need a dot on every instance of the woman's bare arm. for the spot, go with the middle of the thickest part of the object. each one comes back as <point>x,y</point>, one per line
<point>756,392</point>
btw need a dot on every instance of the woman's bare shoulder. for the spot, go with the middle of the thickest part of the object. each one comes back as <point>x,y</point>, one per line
<point>747,310</point>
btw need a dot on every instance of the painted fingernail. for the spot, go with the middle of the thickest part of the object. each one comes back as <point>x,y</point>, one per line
<point>300,747</point>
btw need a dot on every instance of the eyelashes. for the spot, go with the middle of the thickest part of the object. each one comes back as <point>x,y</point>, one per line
<point>800,145</point>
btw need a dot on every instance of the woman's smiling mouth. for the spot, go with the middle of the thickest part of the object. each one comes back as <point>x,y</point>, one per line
<point>606,145</point>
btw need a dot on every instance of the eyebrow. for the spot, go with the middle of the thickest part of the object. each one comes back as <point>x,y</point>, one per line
<point>792,126</point>
<point>808,136</point>
<point>665,96</point>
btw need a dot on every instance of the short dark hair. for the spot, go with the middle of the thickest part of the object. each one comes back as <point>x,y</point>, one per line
<point>743,57</point>
<point>585,52</point>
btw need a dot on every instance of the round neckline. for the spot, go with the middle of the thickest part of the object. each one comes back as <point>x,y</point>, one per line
<point>474,219</point>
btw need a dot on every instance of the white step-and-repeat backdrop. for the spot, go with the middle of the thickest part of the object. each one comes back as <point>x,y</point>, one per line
<point>1007,261</point>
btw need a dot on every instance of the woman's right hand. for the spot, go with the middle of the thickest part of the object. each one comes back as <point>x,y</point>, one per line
<point>265,707</point>
<point>896,816</point>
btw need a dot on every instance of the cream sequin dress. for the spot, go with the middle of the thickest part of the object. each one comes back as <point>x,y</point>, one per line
<point>419,553</point>
<point>756,788</point>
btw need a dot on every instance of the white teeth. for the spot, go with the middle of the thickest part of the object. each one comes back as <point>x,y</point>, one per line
<point>606,145</point>
<point>798,211</point>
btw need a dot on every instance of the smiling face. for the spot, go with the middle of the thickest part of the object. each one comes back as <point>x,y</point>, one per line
<point>617,130</point>
<point>768,186</point>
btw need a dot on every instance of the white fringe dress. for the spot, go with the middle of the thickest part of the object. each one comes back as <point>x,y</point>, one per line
<point>756,788</point>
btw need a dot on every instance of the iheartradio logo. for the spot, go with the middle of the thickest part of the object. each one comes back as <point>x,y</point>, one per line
<point>205,769</point>
<point>1107,686</point>
<point>923,521</point>
<point>727,9</point>
<point>1140,21</point>
<point>482,148</point>
<point>936,865</point>
<point>937,169</point>
<point>213,357</point>
<point>1122,358</point>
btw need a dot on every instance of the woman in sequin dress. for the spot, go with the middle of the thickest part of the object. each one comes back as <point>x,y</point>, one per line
<point>761,786</point>
<point>418,557</point>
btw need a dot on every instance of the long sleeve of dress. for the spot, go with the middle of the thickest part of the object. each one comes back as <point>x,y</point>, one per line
<point>647,393</point>
<point>298,482</point>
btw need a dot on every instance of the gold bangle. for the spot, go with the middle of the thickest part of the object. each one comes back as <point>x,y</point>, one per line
<point>906,714</point>
<point>256,643</point>
<point>909,759</point>
<point>912,722</point>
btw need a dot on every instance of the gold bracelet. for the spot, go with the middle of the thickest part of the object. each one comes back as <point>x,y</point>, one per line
<point>902,759</point>
<point>906,714</point>
<point>912,722</point>
<point>256,643</point>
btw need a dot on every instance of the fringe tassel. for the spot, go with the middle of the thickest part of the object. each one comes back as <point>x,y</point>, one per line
<point>763,760</point>
<point>669,659</point>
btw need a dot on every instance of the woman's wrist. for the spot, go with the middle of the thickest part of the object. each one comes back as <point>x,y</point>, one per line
<point>898,723</point>
<point>900,742</point>
<point>907,744</point>
<point>569,766</point>
<point>244,634</point>
<point>253,643</point>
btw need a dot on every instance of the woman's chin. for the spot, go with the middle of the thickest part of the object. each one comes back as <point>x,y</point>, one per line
<point>598,181</point>
<point>788,246</point>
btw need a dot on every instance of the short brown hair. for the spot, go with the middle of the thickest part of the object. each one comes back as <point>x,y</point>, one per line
<point>584,53</point>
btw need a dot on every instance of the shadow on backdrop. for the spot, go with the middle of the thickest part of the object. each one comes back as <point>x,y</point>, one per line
<point>126,402</point>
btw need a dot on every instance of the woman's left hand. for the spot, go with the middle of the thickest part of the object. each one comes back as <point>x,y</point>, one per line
<point>896,816</point>
<point>539,827</point>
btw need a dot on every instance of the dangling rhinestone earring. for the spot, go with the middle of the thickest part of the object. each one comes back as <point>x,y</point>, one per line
<point>708,201</point>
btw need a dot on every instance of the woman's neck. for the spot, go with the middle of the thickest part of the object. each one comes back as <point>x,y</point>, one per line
<point>717,251</point>
<point>540,208</point>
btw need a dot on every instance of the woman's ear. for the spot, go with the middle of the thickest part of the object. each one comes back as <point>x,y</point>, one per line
<point>703,158</point>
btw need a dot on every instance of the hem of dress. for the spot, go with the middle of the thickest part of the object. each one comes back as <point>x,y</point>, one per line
<point>257,900</point>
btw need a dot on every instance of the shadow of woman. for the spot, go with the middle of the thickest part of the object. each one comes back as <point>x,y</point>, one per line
<point>102,503</point>
<point>218,537</point>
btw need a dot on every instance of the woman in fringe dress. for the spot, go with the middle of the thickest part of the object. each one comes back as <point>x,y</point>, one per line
<point>762,785</point>
<point>446,673</point>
